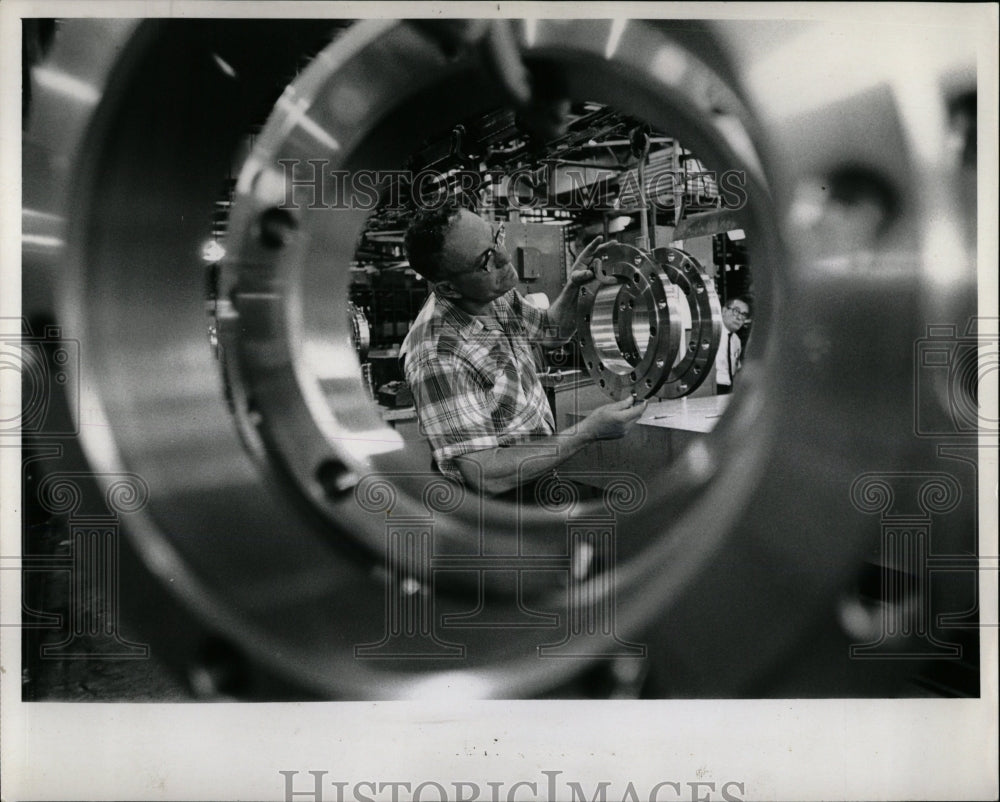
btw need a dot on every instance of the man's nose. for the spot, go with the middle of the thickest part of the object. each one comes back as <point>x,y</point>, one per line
<point>501,258</point>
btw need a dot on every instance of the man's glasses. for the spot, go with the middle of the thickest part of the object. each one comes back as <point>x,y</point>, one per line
<point>739,313</point>
<point>486,262</point>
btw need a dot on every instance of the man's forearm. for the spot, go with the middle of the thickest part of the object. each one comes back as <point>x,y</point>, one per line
<point>562,312</point>
<point>497,470</point>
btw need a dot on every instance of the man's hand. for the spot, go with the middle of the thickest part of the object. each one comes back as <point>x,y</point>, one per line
<point>581,272</point>
<point>562,312</point>
<point>612,420</point>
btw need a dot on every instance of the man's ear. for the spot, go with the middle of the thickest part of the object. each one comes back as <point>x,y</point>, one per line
<point>446,289</point>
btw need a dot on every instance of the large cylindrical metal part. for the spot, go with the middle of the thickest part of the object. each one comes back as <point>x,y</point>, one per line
<point>287,520</point>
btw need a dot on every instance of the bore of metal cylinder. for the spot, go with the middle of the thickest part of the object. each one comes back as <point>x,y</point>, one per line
<point>629,323</point>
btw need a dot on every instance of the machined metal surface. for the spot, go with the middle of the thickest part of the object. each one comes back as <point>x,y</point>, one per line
<point>699,293</point>
<point>628,323</point>
<point>275,530</point>
<point>361,335</point>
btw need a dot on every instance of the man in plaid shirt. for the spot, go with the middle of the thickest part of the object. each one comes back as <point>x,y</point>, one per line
<point>468,357</point>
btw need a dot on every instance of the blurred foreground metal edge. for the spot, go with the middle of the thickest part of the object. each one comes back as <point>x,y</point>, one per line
<point>290,547</point>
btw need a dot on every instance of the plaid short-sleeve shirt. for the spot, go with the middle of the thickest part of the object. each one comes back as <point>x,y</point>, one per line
<point>473,378</point>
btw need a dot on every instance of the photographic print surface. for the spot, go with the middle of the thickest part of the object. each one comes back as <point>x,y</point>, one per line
<point>464,401</point>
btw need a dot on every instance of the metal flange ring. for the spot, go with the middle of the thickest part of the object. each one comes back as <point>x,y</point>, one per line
<point>685,272</point>
<point>629,323</point>
<point>361,337</point>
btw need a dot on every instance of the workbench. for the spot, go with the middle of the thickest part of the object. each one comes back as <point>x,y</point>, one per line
<point>665,429</point>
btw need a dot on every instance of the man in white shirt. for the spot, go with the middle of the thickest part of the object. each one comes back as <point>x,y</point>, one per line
<point>735,315</point>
